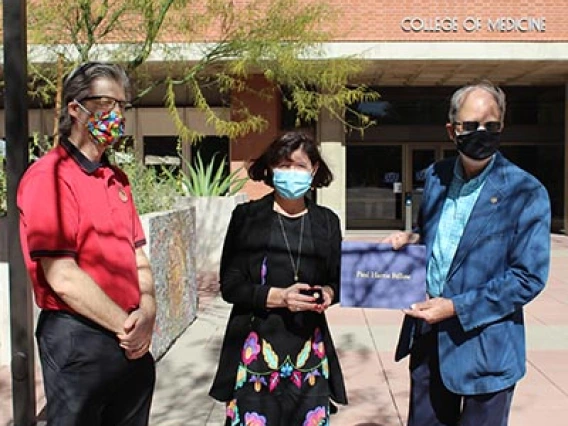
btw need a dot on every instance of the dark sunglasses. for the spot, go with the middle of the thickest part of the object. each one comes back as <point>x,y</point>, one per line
<point>107,103</point>
<point>472,126</point>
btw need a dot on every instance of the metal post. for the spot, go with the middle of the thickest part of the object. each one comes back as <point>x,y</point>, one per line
<point>408,211</point>
<point>16,110</point>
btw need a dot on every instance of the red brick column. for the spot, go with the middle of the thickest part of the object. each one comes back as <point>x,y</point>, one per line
<point>249,147</point>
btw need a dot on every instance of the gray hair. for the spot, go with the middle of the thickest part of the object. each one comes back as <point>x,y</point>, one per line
<point>77,86</point>
<point>459,96</point>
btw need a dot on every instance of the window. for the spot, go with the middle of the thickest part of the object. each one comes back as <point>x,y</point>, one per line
<point>543,105</point>
<point>546,163</point>
<point>212,148</point>
<point>373,174</point>
<point>161,150</point>
<point>407,106</point>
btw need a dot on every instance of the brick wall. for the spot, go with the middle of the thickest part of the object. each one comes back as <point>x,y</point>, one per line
<point>364,20</point>
<point>381,21</point>
<point>252,145</point>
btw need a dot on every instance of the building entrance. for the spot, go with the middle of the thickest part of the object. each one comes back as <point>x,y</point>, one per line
<point>374,186</point>
<point>420,158</point>
<point>385,183</point>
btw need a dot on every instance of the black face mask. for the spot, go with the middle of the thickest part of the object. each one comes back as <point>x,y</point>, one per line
<point>478,145</point>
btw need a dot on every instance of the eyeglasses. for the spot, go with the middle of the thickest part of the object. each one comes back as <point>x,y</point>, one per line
<point>472,126</point>
<point>108,103</point>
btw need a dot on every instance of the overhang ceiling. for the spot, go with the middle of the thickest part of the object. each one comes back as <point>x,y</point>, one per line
<point>422,72</point>
<point>456,73</point>
<point>409,64</point>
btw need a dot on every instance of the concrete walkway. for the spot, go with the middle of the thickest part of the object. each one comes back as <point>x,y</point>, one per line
<point>377,386</point>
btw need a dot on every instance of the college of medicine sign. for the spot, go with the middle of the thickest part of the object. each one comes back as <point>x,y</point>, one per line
<point>449,24</point>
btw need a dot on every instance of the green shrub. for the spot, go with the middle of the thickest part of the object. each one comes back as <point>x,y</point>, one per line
<point>151,190</point>
<point>154,189</point>
<point>37,147</point>
<point>208,180</point>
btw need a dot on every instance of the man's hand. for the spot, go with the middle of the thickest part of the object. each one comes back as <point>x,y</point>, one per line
<point>400,239</point>
<point>433,310</point>
<point>137,336</point>
<point>139,325</point>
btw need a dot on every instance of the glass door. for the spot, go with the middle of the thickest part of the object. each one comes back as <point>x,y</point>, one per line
<point>421,158</point>
<point>374,186</point>
<point>384,183</point>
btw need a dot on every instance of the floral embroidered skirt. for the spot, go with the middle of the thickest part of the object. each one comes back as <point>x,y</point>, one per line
<point>281,383</point>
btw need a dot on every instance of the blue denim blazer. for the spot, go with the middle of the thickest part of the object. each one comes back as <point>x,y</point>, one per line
<point>500,265</point>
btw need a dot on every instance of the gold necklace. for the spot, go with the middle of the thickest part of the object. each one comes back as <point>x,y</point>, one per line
<point>295,265</point>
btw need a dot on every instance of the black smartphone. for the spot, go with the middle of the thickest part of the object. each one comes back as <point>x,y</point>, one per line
<point>316,293</point>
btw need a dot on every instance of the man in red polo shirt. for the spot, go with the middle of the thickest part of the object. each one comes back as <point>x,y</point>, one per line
<point>81,239</point>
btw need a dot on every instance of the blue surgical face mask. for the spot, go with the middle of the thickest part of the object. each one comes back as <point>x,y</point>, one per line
<point>290,183</point>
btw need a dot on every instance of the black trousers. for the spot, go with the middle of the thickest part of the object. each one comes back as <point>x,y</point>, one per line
<point>432,404</point>
<point>88,380</point>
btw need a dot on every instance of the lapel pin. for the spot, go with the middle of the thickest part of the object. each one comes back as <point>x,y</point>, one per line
<point>493,200</point>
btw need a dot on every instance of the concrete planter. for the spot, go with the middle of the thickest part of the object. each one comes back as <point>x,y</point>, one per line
<point>212,219</point>
<point>3,238</point>
<point>5,352</point>
<point>170,247</point>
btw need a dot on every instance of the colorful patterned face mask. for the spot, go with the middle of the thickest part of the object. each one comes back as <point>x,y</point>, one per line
<point>106,127</point>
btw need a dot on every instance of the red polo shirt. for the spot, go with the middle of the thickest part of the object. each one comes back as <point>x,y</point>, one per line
<point>72,207</point>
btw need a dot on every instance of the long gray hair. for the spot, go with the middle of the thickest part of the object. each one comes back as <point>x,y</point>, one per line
<point>77,85</point>
<point>460,94</point>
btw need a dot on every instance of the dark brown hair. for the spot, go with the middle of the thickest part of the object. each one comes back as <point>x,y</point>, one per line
<point>281,149</point>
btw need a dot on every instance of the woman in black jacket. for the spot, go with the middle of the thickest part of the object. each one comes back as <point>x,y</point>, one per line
<point>280,269</point>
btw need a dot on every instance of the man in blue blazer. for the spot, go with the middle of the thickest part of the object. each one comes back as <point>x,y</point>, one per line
<point>486,227</point>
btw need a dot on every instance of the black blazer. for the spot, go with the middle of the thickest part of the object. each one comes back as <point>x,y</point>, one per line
<point>246,244</point>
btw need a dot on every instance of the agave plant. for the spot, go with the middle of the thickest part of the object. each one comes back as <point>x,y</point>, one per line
<point>209,180</point>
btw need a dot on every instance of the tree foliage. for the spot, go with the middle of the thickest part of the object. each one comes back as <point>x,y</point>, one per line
<point>202,44</point>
